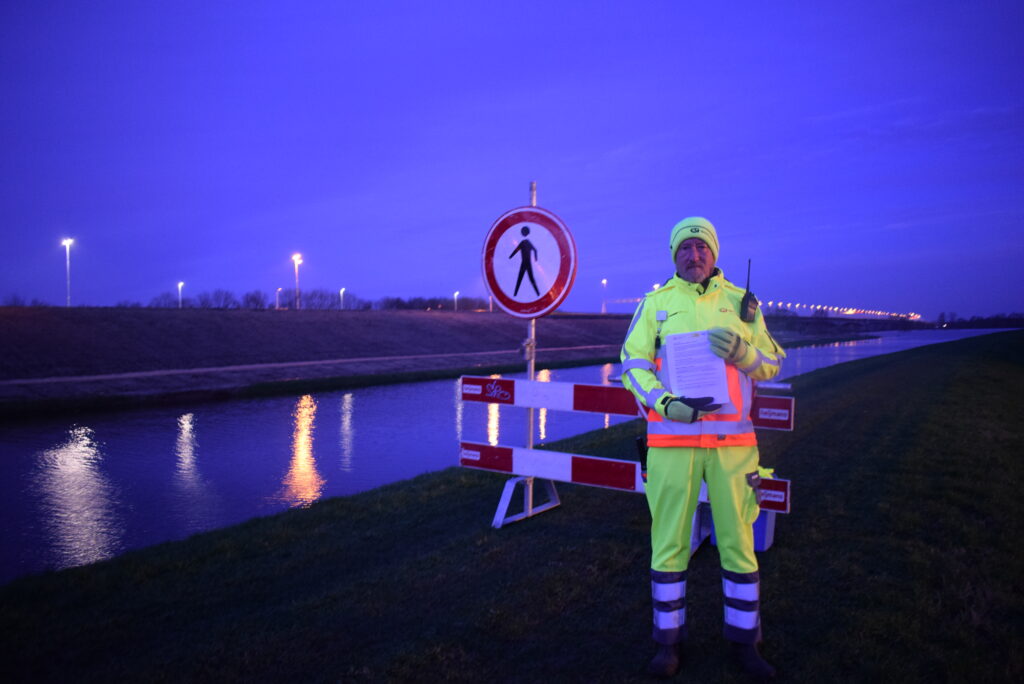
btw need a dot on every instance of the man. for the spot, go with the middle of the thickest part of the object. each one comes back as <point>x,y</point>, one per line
<point>690,440</point>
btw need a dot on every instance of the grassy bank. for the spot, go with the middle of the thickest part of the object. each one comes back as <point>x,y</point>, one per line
<point>192,355</point>
<point>900,562</point>
<point>39,342</point>
<point>45,342</point>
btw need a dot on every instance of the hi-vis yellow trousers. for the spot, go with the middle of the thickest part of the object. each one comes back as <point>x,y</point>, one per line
<point>674,476</point>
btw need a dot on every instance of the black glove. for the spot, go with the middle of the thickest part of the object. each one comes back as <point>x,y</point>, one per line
<point>687,409</point>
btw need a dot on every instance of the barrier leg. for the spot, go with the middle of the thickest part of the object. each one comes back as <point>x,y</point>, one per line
<point>501,516</point>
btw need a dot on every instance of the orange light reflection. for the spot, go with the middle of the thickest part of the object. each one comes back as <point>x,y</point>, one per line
<point>542,417</point>
<point>302,483</point>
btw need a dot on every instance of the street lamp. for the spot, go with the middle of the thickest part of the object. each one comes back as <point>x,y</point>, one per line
<point>604,295</point>
<point>67,242</point>
<point>456,300</point>
<point>180,285</point>
<point>277,299</point>
<point>297,258</point>
<point>341,294</point>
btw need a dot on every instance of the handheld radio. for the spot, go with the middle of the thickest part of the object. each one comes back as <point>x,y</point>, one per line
<point>748,307</point>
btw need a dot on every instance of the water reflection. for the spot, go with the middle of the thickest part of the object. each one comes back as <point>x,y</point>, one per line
<point>458,411</point>
<point>542,420</point>
<point>492,420</point>
<point>78,501</point>
<point>805,359</point>
<point>196,500</point>
<point>303,483</point>
<point>606,374</point>
<point>348,431</point>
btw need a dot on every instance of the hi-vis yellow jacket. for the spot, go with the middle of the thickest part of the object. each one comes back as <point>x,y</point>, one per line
<point>677,307</point>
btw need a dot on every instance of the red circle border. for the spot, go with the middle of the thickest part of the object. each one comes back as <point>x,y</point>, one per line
<point>557,293</point>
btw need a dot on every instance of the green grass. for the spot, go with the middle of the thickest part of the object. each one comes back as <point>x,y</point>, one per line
<point>900,562</point>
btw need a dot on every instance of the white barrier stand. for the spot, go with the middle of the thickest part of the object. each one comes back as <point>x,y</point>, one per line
<point>501,516</point>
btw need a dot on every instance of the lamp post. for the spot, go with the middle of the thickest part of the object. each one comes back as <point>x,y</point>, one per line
<point>604,295</point>
<point>180,285</point>
<point>341,294</point>
<point>67,242</point>
<point>297,258</point>
<point>456,300</point>
<point>277,299</point>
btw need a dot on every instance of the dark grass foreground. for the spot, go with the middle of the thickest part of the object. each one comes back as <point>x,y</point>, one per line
<point>900,562</point>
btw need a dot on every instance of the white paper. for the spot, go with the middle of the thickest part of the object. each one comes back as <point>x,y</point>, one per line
<point>693,370</point>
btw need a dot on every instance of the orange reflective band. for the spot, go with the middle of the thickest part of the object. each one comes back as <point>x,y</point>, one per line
<point>735,396</point>
<point>702,441</point>
<point>653,416</point>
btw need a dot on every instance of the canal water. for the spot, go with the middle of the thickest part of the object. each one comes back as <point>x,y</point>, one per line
<point>75,493</point>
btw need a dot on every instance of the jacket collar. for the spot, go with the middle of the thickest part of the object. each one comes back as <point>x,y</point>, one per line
<point>713,282</point>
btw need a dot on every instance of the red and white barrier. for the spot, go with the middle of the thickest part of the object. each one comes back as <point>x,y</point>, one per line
<point>769,411</point>
<point>554,465</point>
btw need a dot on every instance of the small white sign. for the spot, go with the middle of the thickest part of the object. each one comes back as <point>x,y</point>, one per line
<point>472,389</point>
<point>773,414</point>
<point>469,455</point>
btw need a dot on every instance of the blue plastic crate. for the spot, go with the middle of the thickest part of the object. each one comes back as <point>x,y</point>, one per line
<point>764,531</point>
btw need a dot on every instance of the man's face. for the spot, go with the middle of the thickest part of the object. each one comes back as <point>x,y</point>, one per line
<point>694,261</point>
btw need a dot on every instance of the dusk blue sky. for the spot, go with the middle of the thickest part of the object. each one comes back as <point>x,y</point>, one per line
<point>865,154</point>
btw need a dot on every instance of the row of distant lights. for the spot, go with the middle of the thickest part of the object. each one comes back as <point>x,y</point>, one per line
<point>846,311</point>
<point>296,259</point>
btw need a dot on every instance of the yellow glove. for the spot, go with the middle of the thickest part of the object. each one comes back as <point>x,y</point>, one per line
<point>729,346</point>
<point>685,409</point>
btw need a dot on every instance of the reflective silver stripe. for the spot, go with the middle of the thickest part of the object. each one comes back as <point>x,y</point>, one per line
<point>737,590</point>
<point>656,394</point>
<point>744,619</point>
<point>758,360</point>
<point>668,592</point>
<point>632,324</point>
<point>647,397</point>
<point>761,358</point>
<point>640,364</point>
<point>701,427</point>
<point>673,619</point>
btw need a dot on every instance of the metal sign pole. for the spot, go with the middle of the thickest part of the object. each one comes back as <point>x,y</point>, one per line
<point>559,259</point>
<point>531,344</point>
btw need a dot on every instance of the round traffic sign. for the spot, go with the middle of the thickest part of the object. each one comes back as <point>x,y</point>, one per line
<point>529,262</point>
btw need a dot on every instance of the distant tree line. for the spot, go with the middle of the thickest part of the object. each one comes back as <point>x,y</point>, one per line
<point>951,320</point>
<point>258,300</point>
<point>431,303</point>
<point>313,300</point>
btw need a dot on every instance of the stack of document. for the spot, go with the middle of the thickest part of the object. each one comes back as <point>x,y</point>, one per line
<point>693,370</point>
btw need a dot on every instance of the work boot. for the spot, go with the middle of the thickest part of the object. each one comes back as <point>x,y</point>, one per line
<point>666,661</point>
<point>752,662</point>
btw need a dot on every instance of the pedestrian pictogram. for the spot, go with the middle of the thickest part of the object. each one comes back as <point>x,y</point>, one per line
<point>529,262</point>
<point>525,249</point>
